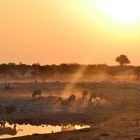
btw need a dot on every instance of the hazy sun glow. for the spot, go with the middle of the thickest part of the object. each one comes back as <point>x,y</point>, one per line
<point>123,10</point>
<point>67,31</point>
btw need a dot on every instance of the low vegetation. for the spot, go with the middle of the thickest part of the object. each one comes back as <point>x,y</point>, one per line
<point>64,72</point>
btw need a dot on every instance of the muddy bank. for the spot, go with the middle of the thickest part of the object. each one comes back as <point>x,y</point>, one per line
<point>46,111</point>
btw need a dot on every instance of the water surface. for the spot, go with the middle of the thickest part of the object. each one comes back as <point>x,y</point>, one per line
<point>17,130</point>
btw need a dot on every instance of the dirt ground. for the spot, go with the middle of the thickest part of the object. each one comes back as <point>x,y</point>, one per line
<point>114,116</point>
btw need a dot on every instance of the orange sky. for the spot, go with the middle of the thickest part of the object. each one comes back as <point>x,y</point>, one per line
<point>64,31</point>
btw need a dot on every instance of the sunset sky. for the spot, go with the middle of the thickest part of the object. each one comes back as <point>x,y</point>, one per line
<point>68,31</point>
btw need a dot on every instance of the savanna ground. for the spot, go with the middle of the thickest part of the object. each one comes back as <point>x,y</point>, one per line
<point>115,117</point>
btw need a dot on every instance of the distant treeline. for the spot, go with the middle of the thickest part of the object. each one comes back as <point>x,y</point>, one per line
<point>67,71</point>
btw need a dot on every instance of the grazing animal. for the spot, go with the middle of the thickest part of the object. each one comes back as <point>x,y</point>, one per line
<point>36,93</point>
<point>69,101</point>
<point>71,98</point>
<point>8,130</point>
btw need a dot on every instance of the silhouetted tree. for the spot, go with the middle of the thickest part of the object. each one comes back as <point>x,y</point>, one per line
<point>122,60</point>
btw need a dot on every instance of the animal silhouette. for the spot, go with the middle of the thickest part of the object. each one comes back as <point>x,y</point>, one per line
<point>8,130</point>
<point>36,93</point>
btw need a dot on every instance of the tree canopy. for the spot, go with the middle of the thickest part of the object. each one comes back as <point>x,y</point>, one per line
<point>122,60</point>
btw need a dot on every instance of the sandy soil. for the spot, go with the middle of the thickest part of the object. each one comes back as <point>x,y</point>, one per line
<point>117,117</point>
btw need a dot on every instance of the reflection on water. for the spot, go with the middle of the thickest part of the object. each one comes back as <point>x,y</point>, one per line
<point>68,128</point>
<point>15,130</point>
<point>8,130</point>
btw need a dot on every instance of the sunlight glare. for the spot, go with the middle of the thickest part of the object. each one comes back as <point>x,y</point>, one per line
<point>123,10</point>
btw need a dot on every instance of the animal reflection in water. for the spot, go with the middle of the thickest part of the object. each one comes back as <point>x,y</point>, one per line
<point>4,130</point>
<point>36,93</point>
<point>68,128</point>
